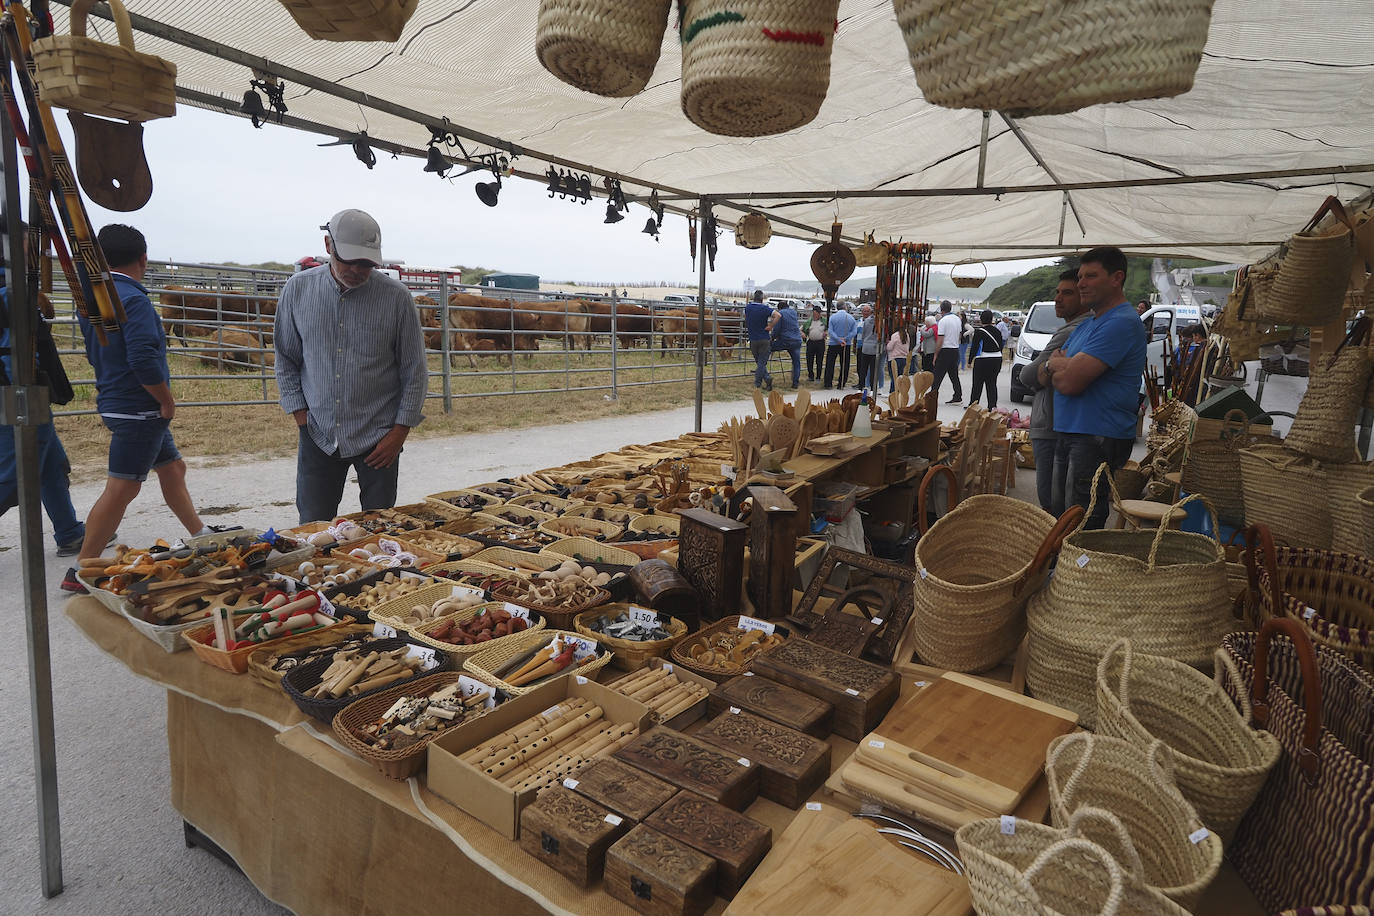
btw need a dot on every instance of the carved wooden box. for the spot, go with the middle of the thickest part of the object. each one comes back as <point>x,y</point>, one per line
<point>737,843</point>
<point>772,552</point>
<point>690,764</point>
<point>861,692</point>
<point>792,765</point>
<point>628,791</point>
<point>773,701</point>
<point>711,557</point>
<point>569,833</point>
<point>660,876</point>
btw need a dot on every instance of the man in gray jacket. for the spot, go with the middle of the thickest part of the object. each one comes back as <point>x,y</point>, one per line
<point>1050,470</point>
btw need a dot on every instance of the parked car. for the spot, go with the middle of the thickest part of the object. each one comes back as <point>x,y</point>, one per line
<point>1037,329</point>
<point>680,299</point>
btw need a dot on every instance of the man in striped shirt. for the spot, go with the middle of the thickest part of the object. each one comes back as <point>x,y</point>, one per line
<point>350,368</point>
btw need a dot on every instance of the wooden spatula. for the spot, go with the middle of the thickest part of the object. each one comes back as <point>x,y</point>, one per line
<point>775,402</point>
<point>803,404</point>
<point>759,407</point>
<point>782,433</point>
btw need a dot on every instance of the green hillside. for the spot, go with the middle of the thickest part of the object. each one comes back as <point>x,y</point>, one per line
<point>1038,285</point>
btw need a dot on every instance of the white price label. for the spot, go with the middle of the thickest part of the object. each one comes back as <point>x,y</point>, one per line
<point>583,649</point>
<point>571,783</point>
<point>923,683</point>
<point>878,744</point>
<point>851,691</point>
<point>550,712</point>
<point>877,621</point>
<point>727,471</point>
<point>382,631</point>
<point>668,667</point>
<point>734,710</point>
<point>1008,824</point>
<point>1198,835</point>
<point>471,687</point>
<point>750,623</point>
<point>813,806</point>
<point>1308,613</point>
<point>327,606</point>
<point>580,679</point>
<point>924,573</point>
<point>748,674</point>
<point>613,819</point>
<point>744,762</point>
<point>459,591</point>
<point>644,615</point>
<point>516,610</point>
<point>1082,561</point>
<point>426,656</point>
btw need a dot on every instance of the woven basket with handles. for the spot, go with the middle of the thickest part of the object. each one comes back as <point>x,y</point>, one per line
<point>609,47</point>
<point>351,20</point>
<point>1324,427</point>
<point>1287,492</point>
<point>1314,273</point>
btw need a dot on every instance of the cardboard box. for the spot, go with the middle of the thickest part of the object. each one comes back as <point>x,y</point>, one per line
<point>491,802</point>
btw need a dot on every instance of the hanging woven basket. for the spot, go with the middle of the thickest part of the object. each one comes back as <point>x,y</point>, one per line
<point>870,253</point>
<point>751,68</point>
<point>970,281</point>
<point>1029,57</point>
<point>114,81</point>
<point>609,47</point>
<point>351,20</point>
<point>753,231</point>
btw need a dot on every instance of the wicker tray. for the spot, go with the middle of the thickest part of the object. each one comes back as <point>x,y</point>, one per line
<point>465,525</point>
<point>630,655</point>
<point>681,655</point>
<point>517,562</point>
<point>112,602</point>
<point>391,612</point>
<point>531,499</point>
<point>461,570</point>
<point>488,488</point>
<point>397,764</point>
<point>423,558</point>
<point>574,526</point>
<point>556,616</point>
<point>442,500</point>
<point>591,552</point>
<point>431,515</point>
<point>340,595</point>
<point>301,532</point>
<point>298,680</point>
<point>168,636</point>
<point>620,516</point>
<point>651,522</point>
<point>260,660</point>
<point>220,538</point>
<point>201,638</point>
<point>421,634</point>
<point>482,664</point>
<point>532,517</point>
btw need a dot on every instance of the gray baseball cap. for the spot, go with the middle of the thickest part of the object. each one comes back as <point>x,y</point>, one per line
<point>356,236</point>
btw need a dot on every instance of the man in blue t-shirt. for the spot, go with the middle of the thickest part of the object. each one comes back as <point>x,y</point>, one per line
<point>1096,379</point>
<point>756,316</point>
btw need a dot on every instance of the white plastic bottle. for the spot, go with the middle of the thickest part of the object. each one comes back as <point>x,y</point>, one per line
<point>863,422</point>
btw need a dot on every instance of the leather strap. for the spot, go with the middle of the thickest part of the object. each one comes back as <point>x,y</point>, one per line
<point>1308,759</point>
<point>1049,548</point>
<point>923,493</point>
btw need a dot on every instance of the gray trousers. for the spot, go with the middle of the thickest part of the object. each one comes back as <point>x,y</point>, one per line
<point>1050,471</point>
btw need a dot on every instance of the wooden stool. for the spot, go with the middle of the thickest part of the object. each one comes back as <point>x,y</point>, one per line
<point>1175,480</point>
<point>1142,513</point>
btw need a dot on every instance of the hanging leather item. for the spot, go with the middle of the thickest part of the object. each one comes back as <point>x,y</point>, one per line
<point>110,163</point>
<point>870,253</point>
<point>832,263</point>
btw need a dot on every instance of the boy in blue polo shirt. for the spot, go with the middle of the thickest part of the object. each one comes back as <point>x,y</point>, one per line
<point>1096,379</point>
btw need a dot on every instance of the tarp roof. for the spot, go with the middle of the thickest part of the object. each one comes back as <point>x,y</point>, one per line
<point>1282,85</point>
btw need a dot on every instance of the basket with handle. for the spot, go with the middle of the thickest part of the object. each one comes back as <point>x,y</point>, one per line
<point>538,500</point>
<point>1313,274</point>
<point>1211,467</point>
<point>1219,761</point>
<point>968,281</point>
<point>660,523</point>
<point>1324,427</point>
<point>608,47</point>
<point>1028,57</point>
<point>351,20</point>
<point>114,81</point>
<point>755,67</point>
<point>1287,492</point>
<point>486,664</point>
<point>1352,520</point>
<point>972,585</point>
<point>1162,837</point>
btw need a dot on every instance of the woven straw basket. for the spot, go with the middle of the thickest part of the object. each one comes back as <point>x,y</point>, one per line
<point>968,281</point>
<point>484,664</point>
<point>1324,427</point>
<point>399,764</point>
<point>753,231</point>
<point>609,47</point>
<point>1212,468</point>
<point>1028,57</point>
<point>1091,772</point>
<point>114,81</point>
<point>1035,870</point>
<point>1219,761</point>
<point>977,567</point>
<point>755,67</point>
<point>1314,274</point>
<point>1352,518</point>
<point>351,20</point>
<point>1287,493</point>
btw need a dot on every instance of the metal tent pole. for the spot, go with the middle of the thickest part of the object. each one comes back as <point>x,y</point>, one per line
<point>704,213</point>
<point>25,408</point>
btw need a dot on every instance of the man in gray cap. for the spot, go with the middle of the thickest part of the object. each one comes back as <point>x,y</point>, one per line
<point>350,368</point>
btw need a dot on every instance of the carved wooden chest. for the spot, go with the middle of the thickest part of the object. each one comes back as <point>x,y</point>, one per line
<point>772,552</point>
<point>792,765</point>
<point>773,701</point>
<point>737,843</point>
<point>861,692</point>
<point>628,791</point>
<point>660,876</point>
<point>711,557</point>
<point>569,833</point>
<point>690,764</point>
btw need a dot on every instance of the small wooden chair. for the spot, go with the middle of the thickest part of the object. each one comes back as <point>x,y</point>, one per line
<point>1143,513</point>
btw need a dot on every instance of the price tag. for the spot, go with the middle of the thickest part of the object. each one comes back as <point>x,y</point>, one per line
<point>580,679</point>
<point>923,573</point>
<point>813,806</point>
<point>382,631</point>
<point>460,590</point>
<point>878,744</point>
<point>877,621</point>
<point>749,623</point>
<point>613,820</point>
<point>471,687</point>
<point>426,656</point>
<point>644,615</point>
<point>748,674</point>
<point>1008,824</point>
<point>583,649</point>
<point>326,606</point>
<point>550,712</point>
<point>668,666</point>
<point>851,691</point>
<point>744,762</point>
<point>734,710</point>
<point>1198,835</point>
<point>1082,561</point>
<point>571,783</point>
<point>923,683</point>
<point>516,610</point>
<point>1308,613</point>
<point>727,471</point>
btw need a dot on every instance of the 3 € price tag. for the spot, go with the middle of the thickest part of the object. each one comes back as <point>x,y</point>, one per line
<point>426,656</point>
<point>460,591</point>
<point>750,623</point>
<point>643,615</point>
<point>470,687</point>
<point>382,631</point>
<point>516,610</point>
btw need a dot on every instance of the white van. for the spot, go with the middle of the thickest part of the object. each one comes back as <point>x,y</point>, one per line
<point>778,302</point>
<point>1040,324</point>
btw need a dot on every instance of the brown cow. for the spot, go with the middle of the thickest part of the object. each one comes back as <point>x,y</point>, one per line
<point>234,347</point>
<point>678,330</point>
<point>480,323</point>
<point>632,322</point>
<point>671,327</point>
<point>553,319</point>
<point>191,312</point>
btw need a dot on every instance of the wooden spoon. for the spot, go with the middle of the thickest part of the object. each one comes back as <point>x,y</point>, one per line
<point>759,405</point>
<point>754,436</point>
<point>782,433</point>
<point>803,404</point>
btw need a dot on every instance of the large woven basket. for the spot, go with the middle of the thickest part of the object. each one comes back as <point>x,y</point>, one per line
<point>484,664</point>
<point>609,47</point>
<point>1286,492</point>
<point>616,515</point>
<point>755,67</point>
<point>520,516</point>
<point>1324,427</point>
<point>753,231</point>
<point>556,616</point>
<point>351,20</point>
<point>1352,516</point>
<point>349,723</point>
<point>1314,273</point>
<point>1211,468</point>
<point>1029,57</point>
<point>1219,761</point>
<point>1364,501</point>
<point>1087,772</point>
<point>1029,869</point>
<point>658,522</point>
<point>566,526</point>
<point>298,681</point>
<point>260,662</point>
<point>115,81</point>
<point>977,567</point>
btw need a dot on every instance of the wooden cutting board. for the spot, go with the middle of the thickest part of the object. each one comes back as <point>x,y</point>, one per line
<point>964,736</point>
<point>827,862</point>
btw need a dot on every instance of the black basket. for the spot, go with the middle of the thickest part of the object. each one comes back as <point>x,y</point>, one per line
<point>302,678</point>
<point>338,595</point>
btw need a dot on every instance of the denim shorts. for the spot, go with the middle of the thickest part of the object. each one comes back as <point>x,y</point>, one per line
<point>139,446</point>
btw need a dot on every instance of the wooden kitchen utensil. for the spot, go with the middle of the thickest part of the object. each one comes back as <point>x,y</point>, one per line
<point>803,403</point>
<point>110,163</point>
<point>775,402</point>
<point>782,433</point>
<point>759,407</point>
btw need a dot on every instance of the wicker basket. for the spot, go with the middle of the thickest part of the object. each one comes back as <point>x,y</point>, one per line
<point>1219,761</point>
<point>349,723</point>
<point>1136,784</point>
<point>630,655</point>
<point>1287,492</point>
<point>1352,518</point>
<point>299,680</point>
<point>561,617</point>
<point>462,568</point>
<point>681,651</point>
<point>202,638</point>
<point>482,664</point>
<point>518,516</point>
<point>422,557</point>
<point>1324,427</point>
<point>520,562</point>
<point>657,522</point>
<point>495,488</point>
<point>572,527</point>
<point>392,613</point>
<point>441,499</point>
<point>420,634</point>
<point>531,500</point>
<point>1212,468</point>
<point>114,81</point>
<point>452,546</point>
<point>585,550</point>
<point>303,532</point>
<point>753,231</point>
<point>616,515</point>
<point>969,282</point>
<point>609,47</point>
<point>755,67</point>
<point>351,20</point>
<point>260,662</point>
<point>1029,57</point>
<point>113,602</point>
<point>1314,273</point>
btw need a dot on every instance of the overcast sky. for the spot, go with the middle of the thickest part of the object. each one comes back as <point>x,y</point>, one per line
<point>223,191</point>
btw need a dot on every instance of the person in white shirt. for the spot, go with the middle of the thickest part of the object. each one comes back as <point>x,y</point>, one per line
<point>948,332</point>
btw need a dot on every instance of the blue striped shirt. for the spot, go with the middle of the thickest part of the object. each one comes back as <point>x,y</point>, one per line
<point>354,359</point>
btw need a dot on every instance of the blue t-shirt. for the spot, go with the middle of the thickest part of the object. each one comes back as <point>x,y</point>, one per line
<point>1108,406</point>
<point>134,356</point>
<point>788,330</point>
<point>756,315</point>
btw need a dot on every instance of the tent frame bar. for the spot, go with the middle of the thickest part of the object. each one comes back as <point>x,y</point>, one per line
<point>1040,161</point>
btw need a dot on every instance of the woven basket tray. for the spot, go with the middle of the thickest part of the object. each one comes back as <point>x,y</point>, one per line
<point>589,551</point>
<point>422,557</point>
<point>518,562</point>
<point>349,723</point>
<point>514,537</point>
<point>556,616</point>
<point>482,664</point>
<point>681,654</point>
<point>450,546</point>
<point>431,515</point>
<point>351,20</point>
<point>616,515</point>
<point>442,498</point>
<point>392,612</point>
<point>502,492</point>
<point>421,634</point>
<point>261,660</point>
<point>117,603</point>
<point>299,680</point>
<point>629,654</point>
<point>344,597</point>
<point>654,522</point>
<point>571,527</point>
<point>302,532</point>
<point>201,639</point>
<point>532,500</point>
<point>465,569</point>
<point>515,515</point>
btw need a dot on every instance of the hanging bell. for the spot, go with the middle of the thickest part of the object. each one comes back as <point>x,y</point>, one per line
<point>252,106</point>
<point>487,191</point>
<point>363,151</point>
<point>437,162</point>
<point>613,214</point>
<point>651,228</point>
